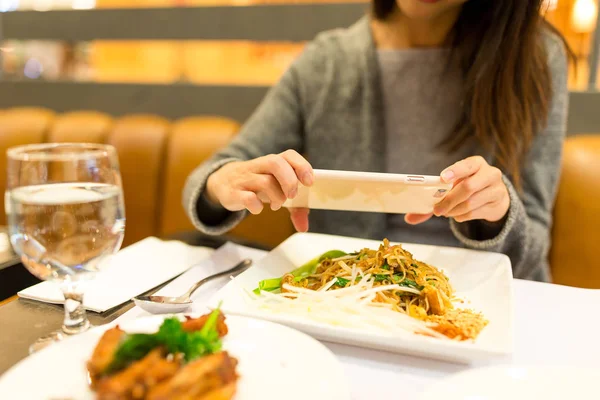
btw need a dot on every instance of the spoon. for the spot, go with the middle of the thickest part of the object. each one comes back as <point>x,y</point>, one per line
<point>172,305</point>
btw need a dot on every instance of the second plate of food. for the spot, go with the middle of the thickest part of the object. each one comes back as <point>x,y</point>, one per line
<point>155,358</point>
<point>445,303</point>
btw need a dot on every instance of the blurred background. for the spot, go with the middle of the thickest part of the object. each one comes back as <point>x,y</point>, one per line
<point>232,62</point>
<point>169,82</point>
<point>241,62</point>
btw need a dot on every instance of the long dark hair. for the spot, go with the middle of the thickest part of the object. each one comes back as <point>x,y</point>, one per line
<point>500,48</point>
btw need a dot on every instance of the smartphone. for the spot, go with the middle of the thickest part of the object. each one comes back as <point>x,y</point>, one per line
<point>371,192</point>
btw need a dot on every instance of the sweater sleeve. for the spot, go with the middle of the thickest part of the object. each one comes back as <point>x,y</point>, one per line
<point>525,235</point>
<point>276,125</point>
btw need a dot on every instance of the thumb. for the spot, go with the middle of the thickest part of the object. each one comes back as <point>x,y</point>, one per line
<point>299,217</point>
<point>415,219</point>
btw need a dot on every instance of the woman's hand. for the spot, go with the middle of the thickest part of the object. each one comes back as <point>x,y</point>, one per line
<point>270,179</point>
<point>478,193</point>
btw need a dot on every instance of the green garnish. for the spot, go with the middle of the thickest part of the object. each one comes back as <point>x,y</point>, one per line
<point>396,279</point>
<point>134,347</point>
<point>382,277</point>
<point>299,273</point>
<point>386,266</point>
<point>411,283</point>
<point>341,282</point>
<point>175,340</point>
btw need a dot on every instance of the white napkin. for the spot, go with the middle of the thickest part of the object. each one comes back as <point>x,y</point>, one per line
<point>224,258</point>
<point>132,271</point>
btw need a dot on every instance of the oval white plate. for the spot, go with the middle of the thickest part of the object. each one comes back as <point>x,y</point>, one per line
<point>275,362</point>
<point>513,382</point>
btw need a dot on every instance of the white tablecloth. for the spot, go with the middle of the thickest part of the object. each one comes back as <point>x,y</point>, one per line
<point>554,325</point>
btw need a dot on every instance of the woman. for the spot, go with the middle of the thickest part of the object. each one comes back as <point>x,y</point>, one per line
<point>473,89</point>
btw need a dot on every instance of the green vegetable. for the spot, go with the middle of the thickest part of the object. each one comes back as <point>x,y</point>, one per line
<point>299,273</point>
<point>386,266</point>
<point>268,285</point>
<point>396,279</point>
<point>331,254</point>
<point>382,277</point>
<point>310,267</point>
<point>341,282</point>
<point>171,335</point>
<point>135,347</point>
<point>410,283</point>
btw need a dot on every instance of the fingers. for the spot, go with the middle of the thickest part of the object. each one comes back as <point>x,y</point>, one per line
<point>477,200</point>
<point>303,169</point>
<point>277,166</point>
<point>478,213</point>
<point>414,219</point>
<point>463,169</point>
<point>270,179</point>
<point>268,190</point>
<point>299,217</point>
<point>461,192</point>
<point>251,202</point>
<point>478,192</point>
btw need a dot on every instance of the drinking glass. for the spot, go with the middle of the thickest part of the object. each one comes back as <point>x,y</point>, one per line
<point>64,204</point>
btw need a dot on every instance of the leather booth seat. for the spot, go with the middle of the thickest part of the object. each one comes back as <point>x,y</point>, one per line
<point>156,156</point>
<point>576,229</point>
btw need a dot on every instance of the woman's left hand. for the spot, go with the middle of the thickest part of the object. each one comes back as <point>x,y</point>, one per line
<point>478,193</point>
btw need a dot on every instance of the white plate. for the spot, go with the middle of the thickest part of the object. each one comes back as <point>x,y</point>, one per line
<point>484,279</point>
<point>507,382</point>
<point>273,361</point>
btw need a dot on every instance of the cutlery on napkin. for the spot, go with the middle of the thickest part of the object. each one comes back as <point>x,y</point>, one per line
<point>134,270</point>
<point>223,258</point>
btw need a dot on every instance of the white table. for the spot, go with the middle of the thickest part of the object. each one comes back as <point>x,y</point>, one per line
<point>554,325</point>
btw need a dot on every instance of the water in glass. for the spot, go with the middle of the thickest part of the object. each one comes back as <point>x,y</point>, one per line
<point>64,205</point>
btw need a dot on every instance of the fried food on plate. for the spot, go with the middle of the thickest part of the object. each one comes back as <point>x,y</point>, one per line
<point>182,360</point>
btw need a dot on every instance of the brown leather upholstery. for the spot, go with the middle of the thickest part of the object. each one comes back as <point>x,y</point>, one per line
<point>576,232</point>
<point>192,141</point>
<point>140,141</point>
<point>154,163</point>
<point>19,126</point>
<point>81,126</point>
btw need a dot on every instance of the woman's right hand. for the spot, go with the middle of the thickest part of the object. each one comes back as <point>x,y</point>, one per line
<point>270,179</point>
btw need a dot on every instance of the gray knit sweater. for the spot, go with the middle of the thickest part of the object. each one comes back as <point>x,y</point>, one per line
<point>329,105</point>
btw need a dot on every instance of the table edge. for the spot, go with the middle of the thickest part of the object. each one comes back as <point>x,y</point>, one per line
<point>8,300</point>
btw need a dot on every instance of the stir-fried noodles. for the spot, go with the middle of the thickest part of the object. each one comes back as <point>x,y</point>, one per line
<point>406,285</point>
